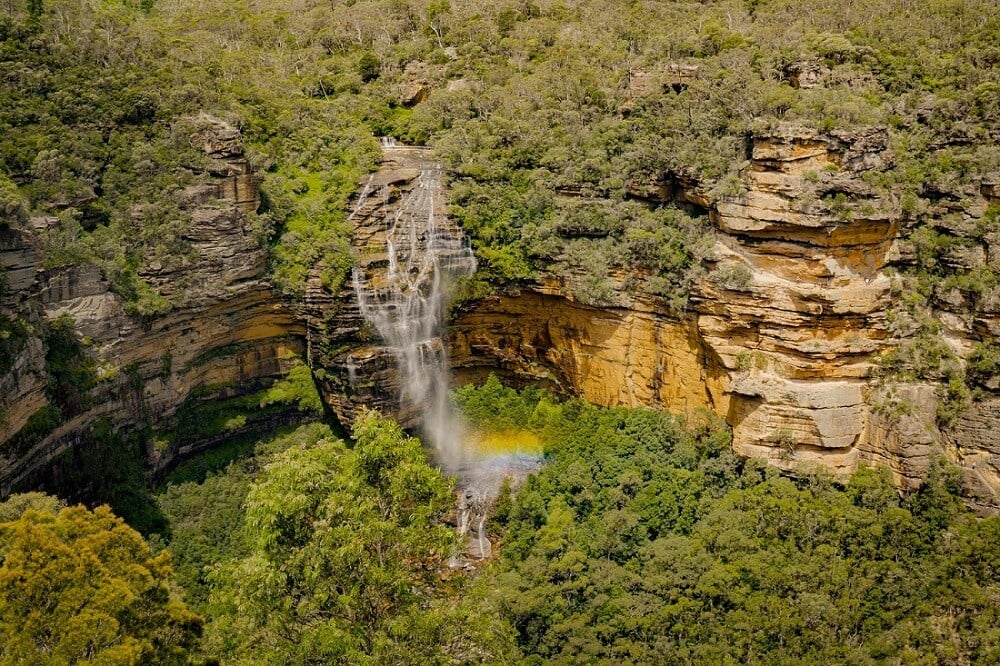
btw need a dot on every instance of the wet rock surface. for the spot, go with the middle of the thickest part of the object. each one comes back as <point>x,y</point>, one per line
<point>391,314</point>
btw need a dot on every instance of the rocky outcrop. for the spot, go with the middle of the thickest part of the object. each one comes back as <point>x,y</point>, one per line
<point>781,333</point>
<point>778,338</point>
<point>226,254</point>
<point>228,332</point>
<point>22,385</point>
<point>975,438</point>
<point>795,329</point>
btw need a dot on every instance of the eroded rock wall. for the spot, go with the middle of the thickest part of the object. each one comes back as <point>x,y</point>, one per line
<point>781,333</point>
<point>795,333</point>
<point>22,386</point>
<point>608,356</point>
<point>227,333</point>
<point>778,338</point>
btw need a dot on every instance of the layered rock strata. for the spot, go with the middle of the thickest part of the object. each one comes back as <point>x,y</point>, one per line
<point>608,356</point>
<point>779,337</point>
<point>227,333</point>
<point>781,333</point>
<point>795,329</point>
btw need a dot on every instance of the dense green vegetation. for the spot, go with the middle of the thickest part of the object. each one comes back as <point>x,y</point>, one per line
<point>312,552</point>
<point>81,587</point>
<point>644,539</point>
<point>545,113</point>
<point>100,102</point>
<point>354,540</point>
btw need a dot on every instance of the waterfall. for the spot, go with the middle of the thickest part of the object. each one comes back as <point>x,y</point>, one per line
<point>406,305</point>
<point>362,198</point>
<point>411,256</point>
<point>352,371</point>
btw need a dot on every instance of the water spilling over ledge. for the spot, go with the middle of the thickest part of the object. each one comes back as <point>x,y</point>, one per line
<point>405,302</point>
<point>402,291</point>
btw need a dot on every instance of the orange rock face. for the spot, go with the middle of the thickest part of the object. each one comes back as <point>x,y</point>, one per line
<point>608,356</point>
<point>780,335</point>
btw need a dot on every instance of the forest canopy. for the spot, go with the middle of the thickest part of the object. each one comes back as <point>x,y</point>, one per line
<point>646,540</point>
<point>547,114</point>
<point>643,539</point>
<point>80,586</point>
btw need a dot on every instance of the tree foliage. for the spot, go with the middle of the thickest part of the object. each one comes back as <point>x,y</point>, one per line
<point>539,111</point>
<point>345,548</point>
<point>297,388</point>
<point>645,541</point>
<point>81,587</point>
<point>642,541</point>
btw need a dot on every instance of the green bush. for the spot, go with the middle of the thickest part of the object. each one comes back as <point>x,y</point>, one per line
<point>642,541</point>
<point>38,426</point>
<point>297,389</point>
<point>983,365</point>
<point>71,368</point>
<point>13,207</point>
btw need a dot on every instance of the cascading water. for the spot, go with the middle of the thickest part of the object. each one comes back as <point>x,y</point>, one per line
<point>425,257</point>
<point>404,298</point>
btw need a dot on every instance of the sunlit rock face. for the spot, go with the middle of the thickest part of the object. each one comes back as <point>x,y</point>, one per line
<point>782,352</point>
<point>227,334</point>
<point>780,334</point>
<point>796,335</point>
<point>609,356</point>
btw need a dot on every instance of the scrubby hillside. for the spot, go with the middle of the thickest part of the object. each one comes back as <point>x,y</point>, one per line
<point>785,212</point>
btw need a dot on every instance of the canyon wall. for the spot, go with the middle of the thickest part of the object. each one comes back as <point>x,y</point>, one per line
<point>781,334</point>
<point>227,333</point>
<point>795,335</point>
<point>611,356</point>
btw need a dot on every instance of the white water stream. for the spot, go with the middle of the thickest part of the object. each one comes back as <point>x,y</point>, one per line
<point>406,305</point>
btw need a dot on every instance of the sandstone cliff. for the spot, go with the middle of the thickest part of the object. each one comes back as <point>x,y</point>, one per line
<point>782,335</point>
<point>227,334</point>
<point>357,368</point>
